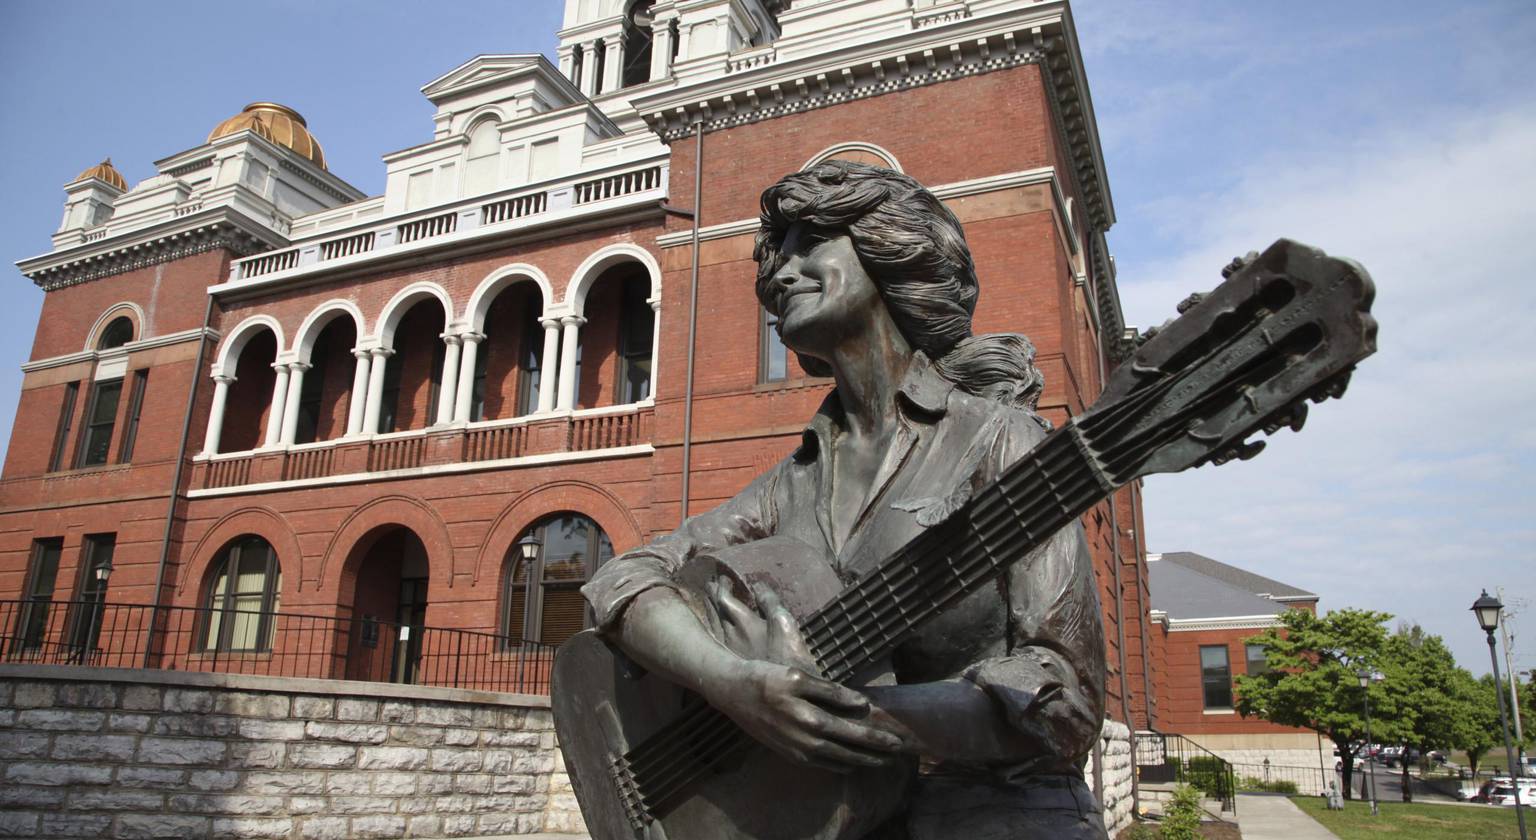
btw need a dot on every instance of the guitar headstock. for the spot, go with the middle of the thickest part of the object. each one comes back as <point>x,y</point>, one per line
<point>1287,326</point>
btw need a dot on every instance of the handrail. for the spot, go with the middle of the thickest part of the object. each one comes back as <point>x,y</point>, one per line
<point>276,643</point>
<point>1167,757</point>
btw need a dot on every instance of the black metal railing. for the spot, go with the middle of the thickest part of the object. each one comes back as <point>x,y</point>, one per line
<point>1267,777</point>
<point>1163,757</point>
<point>276,644</point>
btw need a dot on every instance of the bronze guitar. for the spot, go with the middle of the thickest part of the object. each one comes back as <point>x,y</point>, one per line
<point>651,761</point>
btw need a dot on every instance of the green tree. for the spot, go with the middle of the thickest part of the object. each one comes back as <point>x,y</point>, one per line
<point>1312,682</point>
<point>1477,724</point>
<point>1422,673</point>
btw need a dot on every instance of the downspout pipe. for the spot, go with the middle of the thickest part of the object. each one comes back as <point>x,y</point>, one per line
<point>176,476</point>
<point>693,314</point>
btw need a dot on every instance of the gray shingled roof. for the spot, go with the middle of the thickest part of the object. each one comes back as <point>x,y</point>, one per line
<point>1232,575</point>
<point>1182,592</point>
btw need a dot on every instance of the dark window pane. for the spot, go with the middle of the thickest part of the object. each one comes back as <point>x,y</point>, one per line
<point>1216,677</point>
<point>117,333</point>
<point>66,421</point>
<point>91,593</point>
<point>545,595</point>
<point>774,362</point>
<point>135,409</point>
<point>32,622</point>
<point>1258,661</point>
<point>101,417</point>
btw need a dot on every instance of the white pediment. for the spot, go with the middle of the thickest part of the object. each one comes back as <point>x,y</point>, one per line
<point>515,73</point>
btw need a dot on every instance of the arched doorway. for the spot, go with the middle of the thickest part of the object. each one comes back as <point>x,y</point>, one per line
<point>389,606</point>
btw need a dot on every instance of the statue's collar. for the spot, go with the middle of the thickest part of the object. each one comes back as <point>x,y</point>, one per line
<point>923,396</point>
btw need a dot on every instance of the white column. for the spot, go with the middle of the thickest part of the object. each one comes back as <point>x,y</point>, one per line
<point>279,401</point>
<point>357,403</point>
<point>613,65</point>
<point>589,68</point>
<point>291,407</point>
<point>569,341</point>
<point>216,413</point>
<point>564,54</point>
<point>466,376</point>
<point>448,380</point>
<point>661,48</point>
<point>375,388</point>
<point>549,379</point>
<point>655,303</point>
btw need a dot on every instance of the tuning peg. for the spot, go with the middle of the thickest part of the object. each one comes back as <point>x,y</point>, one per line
<point>1333,388</point>
<point>1240,452</point>
<point>1293,418</point>
<point>1237,264</point>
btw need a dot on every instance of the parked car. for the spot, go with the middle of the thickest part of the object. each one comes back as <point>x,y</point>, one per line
<point>1480,792</point>
<point>1504,795</point>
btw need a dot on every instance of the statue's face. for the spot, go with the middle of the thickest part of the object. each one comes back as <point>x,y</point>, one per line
<point>822,291</point>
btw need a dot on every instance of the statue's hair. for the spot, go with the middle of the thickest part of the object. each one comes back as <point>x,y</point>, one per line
<point>914,249</point>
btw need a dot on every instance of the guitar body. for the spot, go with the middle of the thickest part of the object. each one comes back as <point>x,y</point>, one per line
<point>604,705</point>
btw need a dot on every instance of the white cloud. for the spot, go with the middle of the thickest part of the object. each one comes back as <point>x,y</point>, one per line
<point>1413,492</point>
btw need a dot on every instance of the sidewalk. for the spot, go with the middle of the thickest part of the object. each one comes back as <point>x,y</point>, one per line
<point>1275,818</point>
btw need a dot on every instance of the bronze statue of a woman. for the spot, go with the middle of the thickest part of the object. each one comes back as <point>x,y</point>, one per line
<point>977,726</point>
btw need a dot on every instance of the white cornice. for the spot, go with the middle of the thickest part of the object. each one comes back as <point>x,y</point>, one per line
<point>129,348</point>
<point>1234,622</point>
<point>1039,34</point>
<point>207,230</point>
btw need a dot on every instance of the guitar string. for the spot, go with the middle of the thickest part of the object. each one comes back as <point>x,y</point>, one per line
<point>833,622</point>
<point>667,786</point>
<point>939,567</point>
<point>644,762</point>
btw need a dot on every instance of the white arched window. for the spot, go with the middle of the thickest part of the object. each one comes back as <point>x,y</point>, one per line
<point>482,157</point>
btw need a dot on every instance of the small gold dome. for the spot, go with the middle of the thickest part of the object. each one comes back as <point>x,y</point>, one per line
<point>278,123</point>
<point>104,171</point>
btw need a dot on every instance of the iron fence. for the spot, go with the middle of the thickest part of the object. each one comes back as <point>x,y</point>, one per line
<point>276,644</point>
<point>1267,777</point>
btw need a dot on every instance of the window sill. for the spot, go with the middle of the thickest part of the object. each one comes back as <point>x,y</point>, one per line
<point>1219,712</point>
<point>792,384</point>
<point>230,656</point>
<point>97,469</point>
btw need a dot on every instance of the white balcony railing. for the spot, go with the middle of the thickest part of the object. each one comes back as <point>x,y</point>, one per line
<point>508,209</point>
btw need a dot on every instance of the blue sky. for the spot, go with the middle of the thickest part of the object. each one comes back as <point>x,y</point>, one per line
<point>1402,134</point>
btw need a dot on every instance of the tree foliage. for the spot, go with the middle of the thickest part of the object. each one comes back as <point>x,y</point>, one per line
<point>1312,681</point>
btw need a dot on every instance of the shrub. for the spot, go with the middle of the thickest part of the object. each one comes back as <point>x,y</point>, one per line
<point>1181,820</point>
<point>1254,784</point>
<point>1209,774</point>
<point>1140,831</point>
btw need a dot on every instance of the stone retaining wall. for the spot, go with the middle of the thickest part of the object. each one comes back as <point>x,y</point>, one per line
<point>1119,803</point>
<point>87,752</point>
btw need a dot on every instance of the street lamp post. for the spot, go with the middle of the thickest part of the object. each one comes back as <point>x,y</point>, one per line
<point>93,625</point>
<point>1487,609</point>
<point>1365,677</point>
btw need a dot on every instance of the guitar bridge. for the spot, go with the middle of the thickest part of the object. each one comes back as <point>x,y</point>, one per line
<point>629,793</point>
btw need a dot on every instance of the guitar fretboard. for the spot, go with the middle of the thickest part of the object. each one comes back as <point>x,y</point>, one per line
<point>1033,499</point>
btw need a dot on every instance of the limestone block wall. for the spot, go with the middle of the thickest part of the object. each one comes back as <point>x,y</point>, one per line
<point>120,753</point>
<point>1118,794</point>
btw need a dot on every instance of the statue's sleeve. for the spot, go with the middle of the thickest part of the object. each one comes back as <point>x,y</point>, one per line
<point>1050,683</point>
<point>749,516</point>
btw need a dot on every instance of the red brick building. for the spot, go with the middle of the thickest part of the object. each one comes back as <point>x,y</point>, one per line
<point>1203,614</point>
<point>255,390</point>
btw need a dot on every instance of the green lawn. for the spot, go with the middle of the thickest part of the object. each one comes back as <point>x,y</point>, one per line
<point>1414,821</point>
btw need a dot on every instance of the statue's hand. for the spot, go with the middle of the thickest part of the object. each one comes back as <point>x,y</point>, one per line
<point>778,697</point>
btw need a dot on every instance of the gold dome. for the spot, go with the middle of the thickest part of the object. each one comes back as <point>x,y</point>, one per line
<point>104,171</point>
<point>278,123</point>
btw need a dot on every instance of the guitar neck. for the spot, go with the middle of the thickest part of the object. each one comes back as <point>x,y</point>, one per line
<point>1032,500</point>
